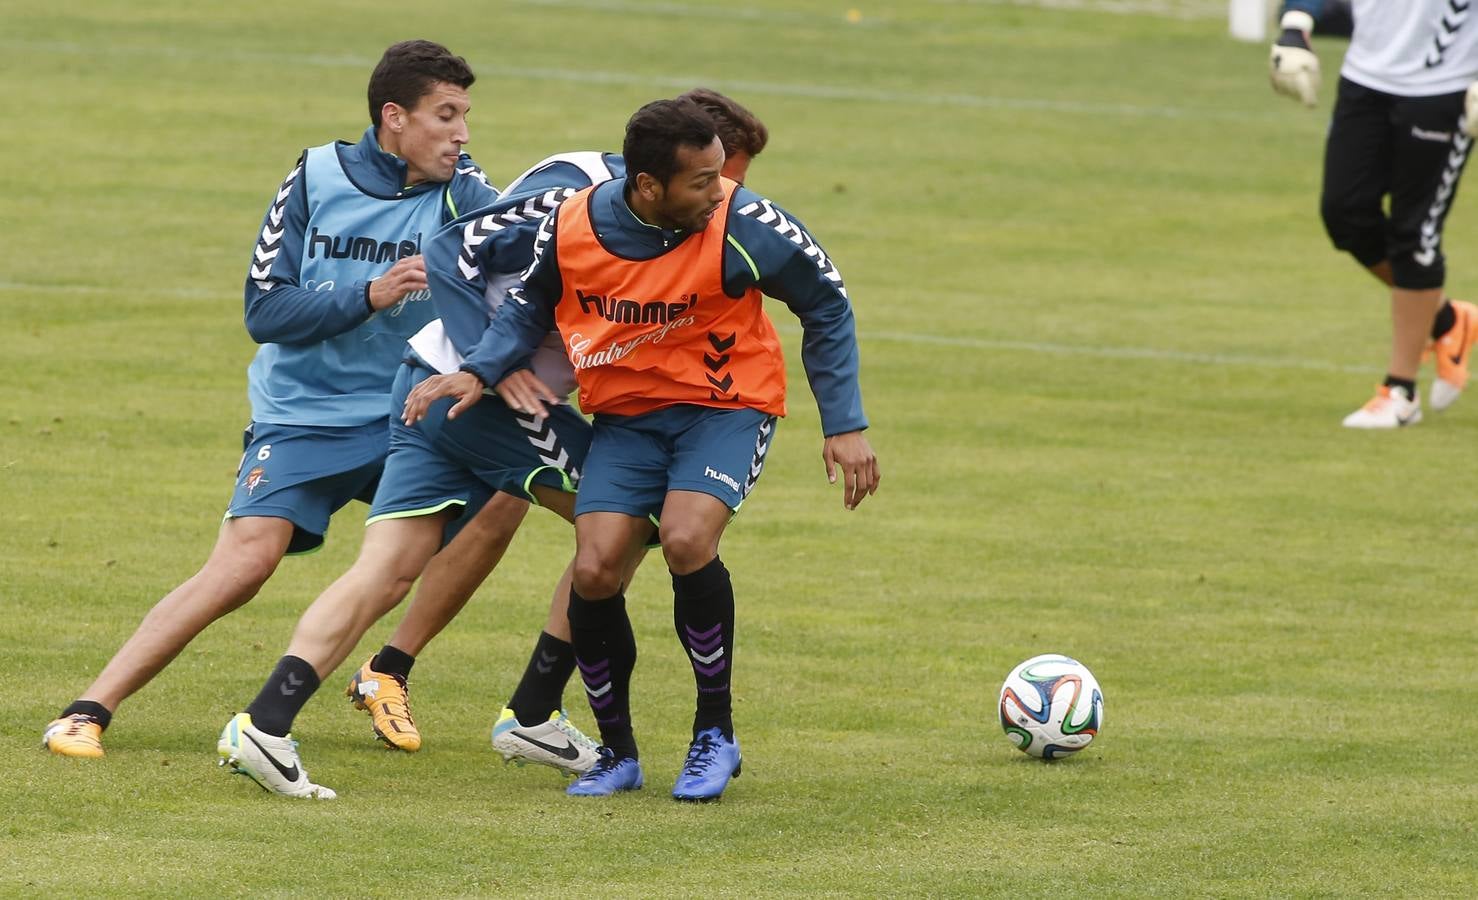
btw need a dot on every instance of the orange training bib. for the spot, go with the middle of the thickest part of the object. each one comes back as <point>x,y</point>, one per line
<point>645,334</point>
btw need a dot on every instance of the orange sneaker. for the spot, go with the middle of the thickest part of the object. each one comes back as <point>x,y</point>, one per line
<point>387,699</point>
<point>77,735</point>
<point>1452,352</point>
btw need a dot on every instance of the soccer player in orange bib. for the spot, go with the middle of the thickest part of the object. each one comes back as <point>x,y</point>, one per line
<point>655,283</point>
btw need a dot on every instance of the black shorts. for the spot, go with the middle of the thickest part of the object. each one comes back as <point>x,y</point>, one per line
<point>1410,148</point>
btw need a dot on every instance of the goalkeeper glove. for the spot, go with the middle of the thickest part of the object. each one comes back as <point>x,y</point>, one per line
<point>1293,67</point>
<point>1470,111</point>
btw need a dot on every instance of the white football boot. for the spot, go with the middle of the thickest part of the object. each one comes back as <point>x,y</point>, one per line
<point>556,743</point>
<point>271,762</point>
<point>1389,408</point>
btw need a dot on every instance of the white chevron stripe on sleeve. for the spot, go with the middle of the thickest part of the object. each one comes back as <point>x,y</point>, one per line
<point>766,212</point>
<point>269,244</point>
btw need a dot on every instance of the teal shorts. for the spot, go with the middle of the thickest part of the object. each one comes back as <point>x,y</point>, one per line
<point>305,474</point>
<point>440,463</point>
<point>635,461</point>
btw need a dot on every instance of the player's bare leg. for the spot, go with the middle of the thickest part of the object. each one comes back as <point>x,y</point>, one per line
<point>452,577</point>
<point>394,553</point>
<point>449,582</point>
<point>381,685</point>
<point>245,555</point>
<point>1413,312</point>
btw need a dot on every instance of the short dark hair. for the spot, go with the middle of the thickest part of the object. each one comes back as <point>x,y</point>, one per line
<point>407,72</point>
<point>655,131</point>
<point>740,130</point>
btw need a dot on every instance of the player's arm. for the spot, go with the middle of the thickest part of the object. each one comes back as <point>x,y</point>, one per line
<point>455,276</point>
<point>524,317</point>
<point>463,257</point>
<point>1292,66</point>
<point>501,359</point>
<point>500,356</point>
<point>280,310</point>
<point>771,249</point>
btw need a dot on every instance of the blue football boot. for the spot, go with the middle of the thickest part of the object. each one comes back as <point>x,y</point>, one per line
<point>608,776</point>
<point>712,760</point>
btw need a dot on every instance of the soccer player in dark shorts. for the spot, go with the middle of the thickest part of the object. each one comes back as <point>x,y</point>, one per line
<point>1402,130</point>
<point>655,283</point>
<point>444,464</point>
<point>335,286</point>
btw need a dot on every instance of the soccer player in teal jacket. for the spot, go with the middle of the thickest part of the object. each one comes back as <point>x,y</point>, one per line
<point>335,284</point>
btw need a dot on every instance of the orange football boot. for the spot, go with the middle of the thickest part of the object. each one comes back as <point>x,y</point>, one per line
<point>387,699</point>
<point>1452,352</point>
<point>77,735</point>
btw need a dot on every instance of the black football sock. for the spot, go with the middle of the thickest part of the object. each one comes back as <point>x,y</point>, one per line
<point>542,687</point>
<point>99,712</point>
<point>282,697</point>
<point>1446,318</point>
<point>1406,384</point>
<point>605,652</point>
<point>393,661</point>
<point>703,614</point>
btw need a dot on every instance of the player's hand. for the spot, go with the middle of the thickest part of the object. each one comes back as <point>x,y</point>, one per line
<point>407,275</point>
<point>465,386</point>
<point>525,393</point>
<point>1292,65</point>
<point>852,454</point>
<point>1470,111</point>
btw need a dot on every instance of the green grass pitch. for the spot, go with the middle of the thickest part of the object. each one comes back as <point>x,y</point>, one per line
<point>1106,349</point>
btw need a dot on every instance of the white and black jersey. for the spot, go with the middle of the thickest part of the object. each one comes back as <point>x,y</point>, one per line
<point>1414,48</point>
<point>1397,145</point>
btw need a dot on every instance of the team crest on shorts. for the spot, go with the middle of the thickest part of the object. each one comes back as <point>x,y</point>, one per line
<point>255,479</point>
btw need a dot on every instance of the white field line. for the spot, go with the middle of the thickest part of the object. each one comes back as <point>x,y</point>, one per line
<point>843,93</point>
<point>1103,352</point>
<point>183,293</point>
<point>717,12</point>
<point>1175,9</point>
<point>1225,360</point>
<point>1169,9</point>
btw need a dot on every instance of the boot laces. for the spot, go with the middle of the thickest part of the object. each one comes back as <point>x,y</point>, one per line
<point>700,756</point>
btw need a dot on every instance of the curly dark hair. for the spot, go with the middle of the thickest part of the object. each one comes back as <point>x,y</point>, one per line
<point>655,131</point>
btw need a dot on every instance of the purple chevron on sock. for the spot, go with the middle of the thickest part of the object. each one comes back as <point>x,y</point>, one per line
<point>703,613</point>
<point>597,680</point>
<point>702,635</point>
<point>708,645</point>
